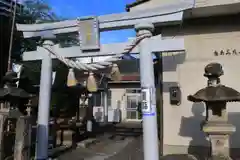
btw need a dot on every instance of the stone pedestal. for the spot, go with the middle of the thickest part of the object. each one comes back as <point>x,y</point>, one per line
<point>22,148</point>
<point>65,137</point>
<point>219,137</point>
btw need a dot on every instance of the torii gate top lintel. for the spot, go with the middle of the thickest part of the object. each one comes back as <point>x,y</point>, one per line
<point>90,47</point>
<point>158,16</point>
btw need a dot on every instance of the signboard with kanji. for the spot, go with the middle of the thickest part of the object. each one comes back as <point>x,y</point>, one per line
<point>89,33</point>
<point>147,102</point>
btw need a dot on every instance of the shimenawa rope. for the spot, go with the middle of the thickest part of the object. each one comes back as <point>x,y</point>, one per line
<point>101,64</point>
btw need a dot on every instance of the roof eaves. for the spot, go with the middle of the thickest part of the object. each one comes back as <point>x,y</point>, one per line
<point>128,6</point>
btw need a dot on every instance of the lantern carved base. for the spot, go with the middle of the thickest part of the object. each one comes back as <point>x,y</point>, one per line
<point>219,133</point>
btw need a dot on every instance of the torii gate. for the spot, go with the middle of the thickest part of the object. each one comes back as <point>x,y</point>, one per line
<point>143,22</point>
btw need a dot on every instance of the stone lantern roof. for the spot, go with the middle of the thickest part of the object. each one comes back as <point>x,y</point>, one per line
<point>11,90</point>
<point>215,92</point>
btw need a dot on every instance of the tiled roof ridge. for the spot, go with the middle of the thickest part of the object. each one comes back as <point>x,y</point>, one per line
<point>128,6</point>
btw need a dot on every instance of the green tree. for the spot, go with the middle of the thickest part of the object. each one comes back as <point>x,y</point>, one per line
<point>37,11</point>
<point>30,12</point>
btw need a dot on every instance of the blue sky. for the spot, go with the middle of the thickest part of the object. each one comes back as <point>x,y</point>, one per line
<point>76,8</point>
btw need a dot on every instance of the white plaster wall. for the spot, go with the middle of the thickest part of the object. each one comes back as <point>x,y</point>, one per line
<point>118,100</point>
<point>180,124</point>
<point>113,114</point>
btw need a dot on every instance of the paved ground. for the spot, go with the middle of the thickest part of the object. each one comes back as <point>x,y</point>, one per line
<point>123,141</point>
<point>119,142</point>
<point>100,151</point>
<point>133,151</point>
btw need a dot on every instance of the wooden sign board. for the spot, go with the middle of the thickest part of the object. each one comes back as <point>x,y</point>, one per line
<point>89,33</point>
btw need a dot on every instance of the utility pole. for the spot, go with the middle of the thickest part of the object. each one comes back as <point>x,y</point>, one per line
<point>44,102</point>
<point>150,131</point>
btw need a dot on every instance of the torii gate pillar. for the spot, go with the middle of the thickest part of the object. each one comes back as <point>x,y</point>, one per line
<point>44,103</point>
<point>150,132</point>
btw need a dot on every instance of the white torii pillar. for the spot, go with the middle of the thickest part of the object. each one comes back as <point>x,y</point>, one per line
<point>150,129</point>
<point>44,103</point>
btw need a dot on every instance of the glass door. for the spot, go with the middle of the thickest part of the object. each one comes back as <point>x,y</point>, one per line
<point>133,102</point>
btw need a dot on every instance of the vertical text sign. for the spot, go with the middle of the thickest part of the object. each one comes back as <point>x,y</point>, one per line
<point>147,102</point>
<point>89,33</point>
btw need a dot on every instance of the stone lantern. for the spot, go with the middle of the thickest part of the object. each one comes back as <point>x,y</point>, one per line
<point>13,119</point>
<point>216,125</point>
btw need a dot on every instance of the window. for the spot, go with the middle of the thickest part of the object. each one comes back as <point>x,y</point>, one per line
<point>133,101</point>
<point>132,107</point>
